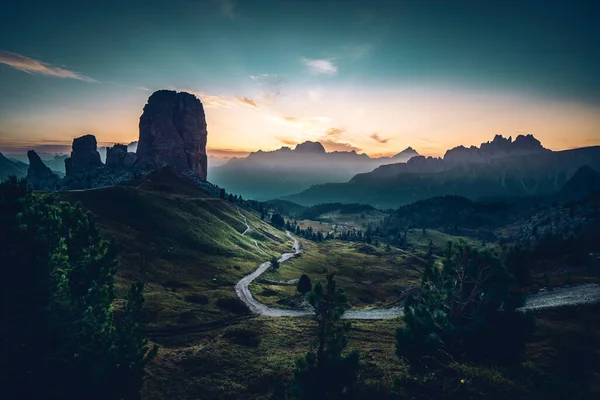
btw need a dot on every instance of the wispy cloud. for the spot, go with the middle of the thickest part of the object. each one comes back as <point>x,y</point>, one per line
<point>287,140</point>
<point>261,77</point>
<point>31,66</point>
<point>331,145</point>
<point>211,101</point>
<point>220,101</point>
<point>271,85</point>
<point>375,136</point>
<point>247,101</point>
<point>322,67</point>
<point>227,7</point>
<point>334,131</point>
<point>301,121</point>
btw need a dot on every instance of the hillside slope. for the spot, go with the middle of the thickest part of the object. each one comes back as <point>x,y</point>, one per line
<point>184,244</point>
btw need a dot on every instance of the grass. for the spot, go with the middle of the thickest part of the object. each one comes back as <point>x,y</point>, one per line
<point>181,247</point>
<point>371,276</point>
<point>212,365</point>
<point>189,251</point>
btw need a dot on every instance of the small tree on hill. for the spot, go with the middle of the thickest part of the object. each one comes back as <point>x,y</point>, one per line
<point>274,263</point>
<point>324,372</point>
<point>304,284</point>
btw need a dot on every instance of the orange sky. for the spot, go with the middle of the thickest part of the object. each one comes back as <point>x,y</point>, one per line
<point>376,121</point>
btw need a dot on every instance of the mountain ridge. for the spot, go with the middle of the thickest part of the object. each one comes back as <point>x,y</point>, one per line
<point>265,175</point>
<point>397,184</point>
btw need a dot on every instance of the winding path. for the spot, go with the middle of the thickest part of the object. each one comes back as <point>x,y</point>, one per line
<point>248,229</point>
<point>583,294</point>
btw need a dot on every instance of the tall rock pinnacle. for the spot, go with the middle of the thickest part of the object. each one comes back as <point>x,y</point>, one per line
<point>173,132</point>
<point>39,176</point>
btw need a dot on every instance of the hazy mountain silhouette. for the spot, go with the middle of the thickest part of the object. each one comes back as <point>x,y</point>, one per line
<point>10,167</point>
<point>496,169</point>
<point>585,181</point>
<point>270,174</point>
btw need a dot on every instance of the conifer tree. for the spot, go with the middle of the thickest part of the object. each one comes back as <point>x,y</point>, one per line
<point>324,373</point>
<point>59,337</point>
<point>463,310</point>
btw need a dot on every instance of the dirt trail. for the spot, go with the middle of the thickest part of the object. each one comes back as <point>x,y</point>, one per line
<point>582,294</point>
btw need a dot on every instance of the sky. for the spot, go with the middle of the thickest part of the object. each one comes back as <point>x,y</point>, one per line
<point>372,76</point>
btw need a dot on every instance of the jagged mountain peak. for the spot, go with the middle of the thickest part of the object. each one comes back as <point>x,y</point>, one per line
<point>310,147</point>
<point>498,147</point>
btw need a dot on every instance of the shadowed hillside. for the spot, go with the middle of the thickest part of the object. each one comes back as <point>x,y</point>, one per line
<point>394,185</point>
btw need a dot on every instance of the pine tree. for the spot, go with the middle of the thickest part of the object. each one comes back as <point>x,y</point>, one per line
<point>304,284</point>
<point>57,293</point>
<point>463,310</point>
<point>274,263</point>
<point>324,373</point>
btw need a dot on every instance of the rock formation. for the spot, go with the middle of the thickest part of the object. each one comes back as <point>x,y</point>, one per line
<point>130,160</point>
<point>84,156</point>
<point>116,155</point>
<point>173,132</point>
<point>39,176</point>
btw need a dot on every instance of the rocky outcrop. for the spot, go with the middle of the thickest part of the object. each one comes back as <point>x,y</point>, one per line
<point>130,160</point>
<point>116,155</point>
<point>39,176</point>
<point>84,156</point>
<point>173,133</point>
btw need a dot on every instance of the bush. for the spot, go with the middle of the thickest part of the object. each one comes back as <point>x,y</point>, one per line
<point>233,305</point>
<point>197,299</point>
<point>243,337</point>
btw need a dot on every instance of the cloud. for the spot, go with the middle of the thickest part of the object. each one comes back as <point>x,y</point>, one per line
<point>322,67</point>
<point>220,101</point>
<point>331,145</point>
<point>287,141</point>
<point>300,121</point>
<point>334,131</point>
<point>261,77</point>
<point>212,101</point>
<point>227,7</point>
<point>31,66</point>
<point>375,136</point>
<point>271,85</point>
<point>247,101</point>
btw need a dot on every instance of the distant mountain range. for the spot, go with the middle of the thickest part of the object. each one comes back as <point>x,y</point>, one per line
<point>270,174</point>
<point>11,167</point>
<point>500,168</point>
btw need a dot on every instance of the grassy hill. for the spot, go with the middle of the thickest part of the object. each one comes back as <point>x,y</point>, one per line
<point>184,244</point>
